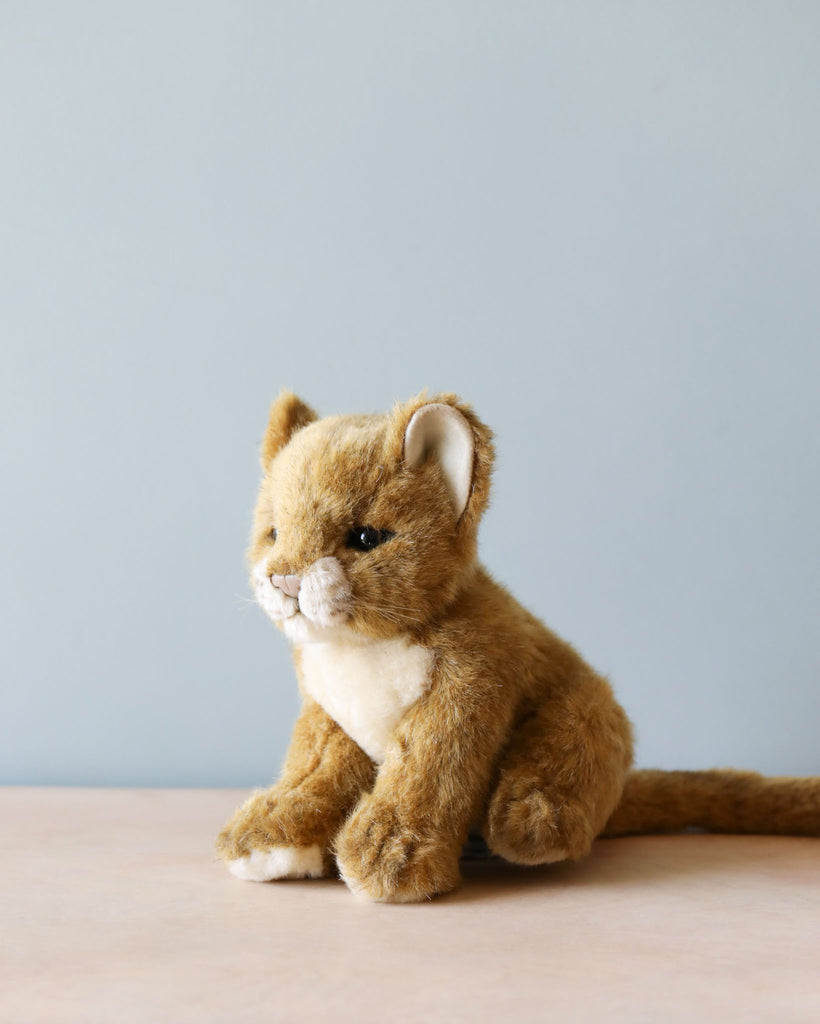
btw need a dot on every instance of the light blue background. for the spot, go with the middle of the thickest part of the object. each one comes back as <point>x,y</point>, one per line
<point>598,222</point>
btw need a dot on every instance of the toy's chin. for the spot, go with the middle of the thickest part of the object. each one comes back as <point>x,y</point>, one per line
<point>299,629</point>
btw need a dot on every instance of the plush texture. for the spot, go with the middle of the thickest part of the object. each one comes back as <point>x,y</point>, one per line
<point>367,687</point>
<point>434,703</point>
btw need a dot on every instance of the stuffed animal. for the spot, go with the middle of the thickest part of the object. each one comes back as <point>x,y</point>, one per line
<point>434,703</point>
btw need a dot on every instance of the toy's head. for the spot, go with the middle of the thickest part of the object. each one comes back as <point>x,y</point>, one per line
<point>366,525</point>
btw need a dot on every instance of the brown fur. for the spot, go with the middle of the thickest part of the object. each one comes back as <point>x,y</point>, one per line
<point>516,735</point>
<point>717,801</point>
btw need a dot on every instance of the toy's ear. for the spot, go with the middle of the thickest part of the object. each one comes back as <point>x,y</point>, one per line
<point>287,415</point>
<point>440,431</point>
<point>451,433</point>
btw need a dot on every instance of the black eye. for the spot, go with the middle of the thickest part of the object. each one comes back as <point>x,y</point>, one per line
<point>272,534</point>
<point>365,538</point>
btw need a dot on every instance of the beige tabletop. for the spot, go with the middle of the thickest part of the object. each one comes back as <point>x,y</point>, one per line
<point>114,909</point>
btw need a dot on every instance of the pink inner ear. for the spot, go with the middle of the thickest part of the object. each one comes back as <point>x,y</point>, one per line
<point>441,431</point>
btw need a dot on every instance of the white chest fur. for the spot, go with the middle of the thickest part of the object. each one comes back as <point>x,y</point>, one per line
<point>367,687</point>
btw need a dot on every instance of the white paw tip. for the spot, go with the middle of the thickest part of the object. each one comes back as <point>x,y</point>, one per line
<point>279,862</point>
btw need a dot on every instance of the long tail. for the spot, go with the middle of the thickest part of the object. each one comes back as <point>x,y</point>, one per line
<point>723,800</point>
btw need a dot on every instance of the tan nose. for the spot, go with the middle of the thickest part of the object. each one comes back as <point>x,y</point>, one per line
<point>290,584</point>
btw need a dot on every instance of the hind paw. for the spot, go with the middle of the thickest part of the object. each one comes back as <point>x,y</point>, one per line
<point>525,826</point>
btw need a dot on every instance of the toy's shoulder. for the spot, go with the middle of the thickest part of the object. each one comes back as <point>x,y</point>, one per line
<point>487,635</point>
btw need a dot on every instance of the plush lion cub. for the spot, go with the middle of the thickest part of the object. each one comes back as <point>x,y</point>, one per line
<point>433,702</point>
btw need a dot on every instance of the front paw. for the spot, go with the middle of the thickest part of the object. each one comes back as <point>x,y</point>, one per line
<point>279,862</point>
<point>386,859</point>
<point>263,841</point>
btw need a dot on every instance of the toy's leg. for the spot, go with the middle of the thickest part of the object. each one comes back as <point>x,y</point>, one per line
<point>403,840</point>
<point>561,776</point>
<point>285,831</point>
